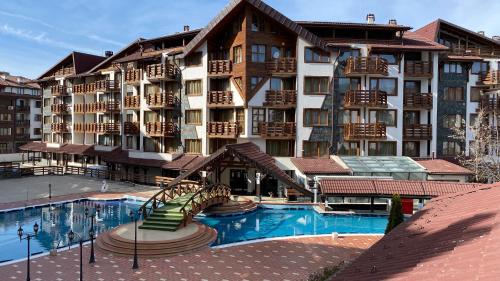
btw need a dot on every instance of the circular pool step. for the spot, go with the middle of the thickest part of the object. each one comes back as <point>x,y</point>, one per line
<point>231,208</point>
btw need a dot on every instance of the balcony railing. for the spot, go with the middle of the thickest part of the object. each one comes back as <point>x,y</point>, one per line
<point>161,129</point>
<point>220,67</point>
<point>418,69</point>
<point>366,65</point>
<point>97,107</point>
<point>65,71</point>
<point>220,98</point>
<point>359,131</point>
<point>22,108</point>
<point>281,98</point>
<point>58,90</point>
<point>417,101</point>
<point>59,127</point>
<point>107,85</point>
<point>161,71</point>
<point>131,128</point>
<point>59,108</point>
<point>161,100</point>
<point>282,65</point>
<point>417,131</point>
<point>277,130</point>
<point>491,77</point>
<point>475,51</point>
<point>489,103</point>
<point>133,76</point>
<point>223,129</point>
<point>100,128</point>
<point>23,123</point>
<point>368,98</point>
<point>132,102</point>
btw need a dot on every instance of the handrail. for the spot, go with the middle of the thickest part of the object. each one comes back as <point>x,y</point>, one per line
<point>214,191</point>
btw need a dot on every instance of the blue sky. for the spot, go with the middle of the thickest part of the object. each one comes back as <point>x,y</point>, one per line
<point>36,34</point>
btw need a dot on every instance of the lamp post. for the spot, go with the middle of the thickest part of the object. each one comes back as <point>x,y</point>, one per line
<point>28,236</point>
<point>257,182</point>
<point>133,217</point>
<point>91,230</point>
<point>204,178</point>
<point>71,236</point>
<point>50,191</point>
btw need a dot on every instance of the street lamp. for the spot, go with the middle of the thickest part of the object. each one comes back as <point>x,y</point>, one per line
<point>133,217</point>
<point>91,230</point>
<point>50,191</point>
<point>204,178</point>
<point>257,182</point>
<point>71,236</point>
<point>27,236</point>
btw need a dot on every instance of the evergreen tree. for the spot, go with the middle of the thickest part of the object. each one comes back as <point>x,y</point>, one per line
<point>396,215</point>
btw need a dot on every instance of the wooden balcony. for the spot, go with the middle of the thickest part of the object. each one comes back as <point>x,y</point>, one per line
<point>98,128</point>
<point>59,127</point>
<point>65,71</point>
<point>282,66</point>
<point>220,67</point>
<point>220,98</point>
<point>132,102</point>
<point>228,130</point>
<point>58,90</point>
<point>489,104</point>
<point>161,129</point>
<point>490,78</point>
<point>23,108</point>
<point>107,86</point>
<point>366,66</point>
<point>162,72</point>
<point>133,76</point>
<point>361,131</point>
<point>277,130</point>
<point>281,98</point>
<point>417,131</point>
<point>131,128</point>
<point>417,101</point>
<point>162,100</point>
<point>23,123</point>
<point>418,69</point>
<point>475,51</point>
<point>365,98</point>
<point>59,108</point>
<point>96,107</point>
<point>85,88</point>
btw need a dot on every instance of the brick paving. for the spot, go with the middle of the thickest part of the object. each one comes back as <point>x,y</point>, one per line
<point>290,259</point>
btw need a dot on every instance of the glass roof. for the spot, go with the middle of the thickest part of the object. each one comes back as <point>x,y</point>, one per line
<point>382,164</point>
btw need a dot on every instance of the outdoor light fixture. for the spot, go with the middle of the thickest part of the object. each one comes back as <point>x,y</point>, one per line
<point>27,237</point>
<point>71,236</point>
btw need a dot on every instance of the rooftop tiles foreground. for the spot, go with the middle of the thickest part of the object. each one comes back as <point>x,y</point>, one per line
<point>288,259</point>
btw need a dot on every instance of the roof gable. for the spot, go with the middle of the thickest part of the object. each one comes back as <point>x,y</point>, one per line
<point>82,62</point>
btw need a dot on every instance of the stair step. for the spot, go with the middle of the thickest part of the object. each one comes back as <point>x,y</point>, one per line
<point>157,227</point>
<point>166,223</point>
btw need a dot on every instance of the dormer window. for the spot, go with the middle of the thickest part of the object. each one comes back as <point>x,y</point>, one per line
<point>257,23</point>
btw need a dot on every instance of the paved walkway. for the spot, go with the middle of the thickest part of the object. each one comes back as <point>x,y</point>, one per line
<point>291,259</point>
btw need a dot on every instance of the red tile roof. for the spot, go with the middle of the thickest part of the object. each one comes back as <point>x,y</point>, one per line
<point>185,162</point>
<point>440,166</point>
<point>362,187</point>
<point>325,166</point>
<point>429,31</point>
<point>411,41</point>
<point>454,237</point>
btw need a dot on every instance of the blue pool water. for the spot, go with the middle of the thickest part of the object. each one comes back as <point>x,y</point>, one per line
<point>267,221</point>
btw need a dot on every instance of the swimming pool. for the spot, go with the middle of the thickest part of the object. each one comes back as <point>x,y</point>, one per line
<point>266,222</point>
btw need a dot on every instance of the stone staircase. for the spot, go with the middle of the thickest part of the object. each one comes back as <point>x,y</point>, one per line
<point>168,217</point>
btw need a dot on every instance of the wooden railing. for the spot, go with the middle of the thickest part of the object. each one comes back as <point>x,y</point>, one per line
<point>65,71</point>
<point>99,128</point>
<point>223,129</point>
<point>418,69</point>
<point>131,128</point>
<point>475,51</point>
<point>59,127</point>
<point>489,103</point>
<point>161,129</point>
<point>42,171</point>
<point>23,108</point>
<point>366,65</point>
<point>132,102</point>
<point>277,130</point>
<point>162,100</point>
<point>59,108</point>
<point>417,131</point>
<point>220,98</point>
<point>23,123</point>
<point>58,90</point>
<point>211,195</point>
<point>357,131</point>
<point>369,98</point>
<point>133,76</point>
<point>282,65</point>
<point>107,85</point>
<point>491,77</point>
<point>161,71</point>
<point>281,98</point>
<point>219,67</point>
<point>418,101</point>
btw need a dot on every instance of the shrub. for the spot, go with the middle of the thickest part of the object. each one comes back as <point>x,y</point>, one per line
<point>396,215</point>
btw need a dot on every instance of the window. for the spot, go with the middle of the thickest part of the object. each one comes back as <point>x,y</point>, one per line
<point>38,104</point>
<point>348,149</point>
<point>193,88</point>
<point>237,55</point>
<point>194,59</point>
<point>5,117</point>
<point>38,117</point>
<point>315,148</point>
<point>388,85</point>
<point>387,117</point>
<point>452,121</point>
<point>316,85</point>
<point>257,23</point>
<point>344,55</point>
<point>37,131</point>
<point>315,117</point>
<point>47,120</point>
<point>5,131</point>
<point>452,67</point>
<point>129,142</point>
<point>258,53</point>
<point>479,67</point>
<point>473,119</point>
<point>451,148</point>
<point>279,148</point>
<point>240,118</point>
<point>316,56</point>
<point>193,146</point>
<point>258,116</point>
<point>193,117</point>
<point>382,148</point>
<point>475,94</point>
<point>453,94</point>
<point>254,80</point>
<point>411,148</point>
<point>390,58</point>
<point>47,102</point>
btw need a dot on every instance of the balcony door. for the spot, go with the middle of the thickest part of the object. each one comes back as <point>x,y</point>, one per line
<point>219,85</point>
<point>281,52</point>
<point>412,87</point>
<point>411,117</point>
<point>279,84</point>
<point>351,116</point>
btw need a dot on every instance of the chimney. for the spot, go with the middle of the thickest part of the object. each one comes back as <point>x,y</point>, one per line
<point>108,54</point>
<point>393,22</point>
<point>370,18</point>
<point>496,37</point>
<point>481,32</point>
<point>186,28</point>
